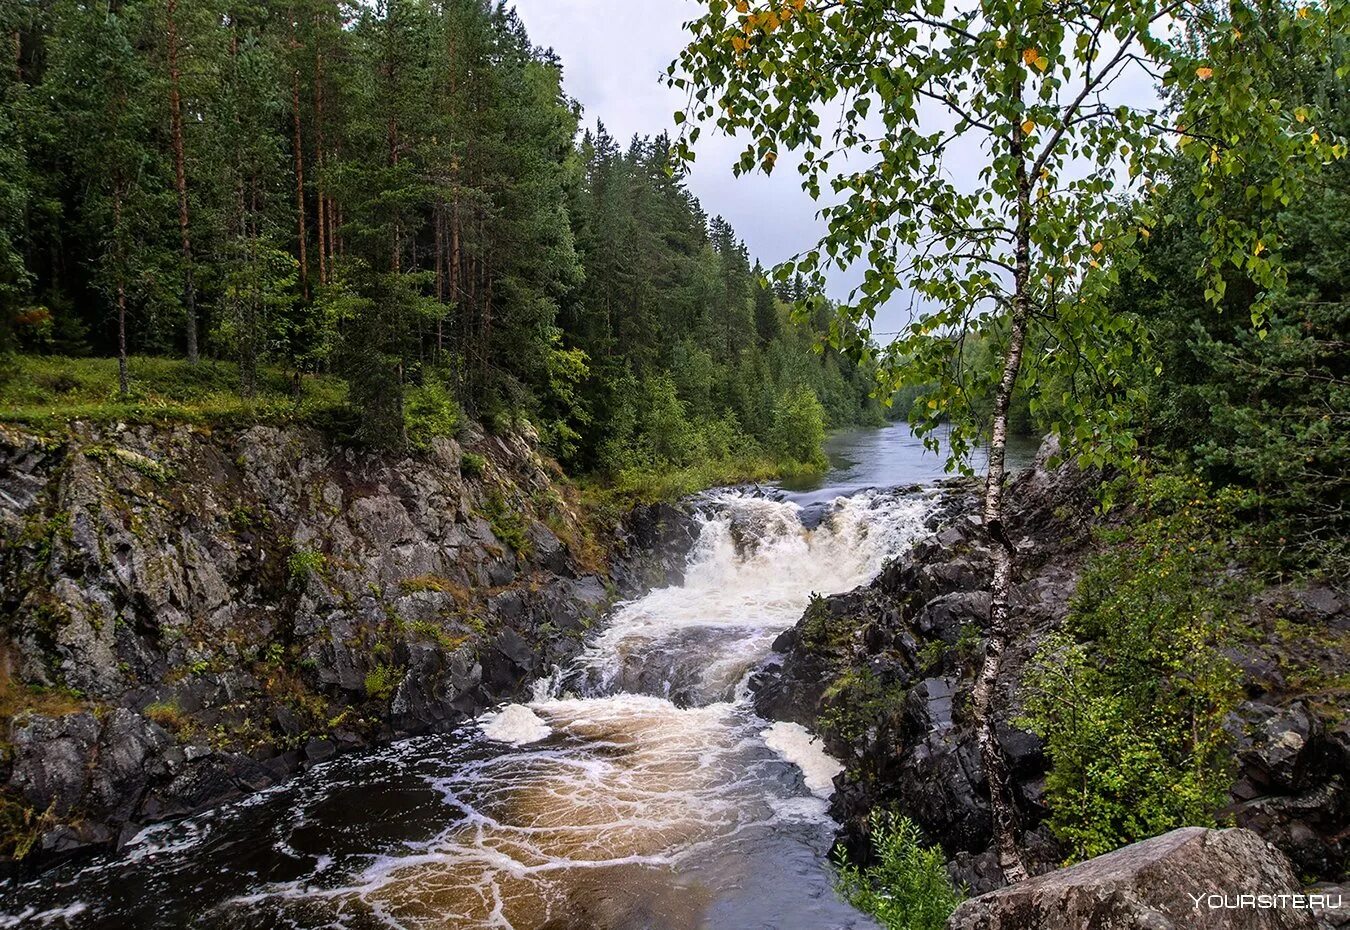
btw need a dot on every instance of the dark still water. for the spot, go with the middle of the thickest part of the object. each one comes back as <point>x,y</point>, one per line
<point>638,789</point>
<point>893,457</point>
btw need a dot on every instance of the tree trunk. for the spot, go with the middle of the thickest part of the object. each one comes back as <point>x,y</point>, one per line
<point>180,181</point>
<point>438,223</point>
<point>319,161</point>
<point>299,166</point>
<point>1001,804</point>
<point>123,385</point>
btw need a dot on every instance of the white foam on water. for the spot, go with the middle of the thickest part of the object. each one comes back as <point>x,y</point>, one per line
<point>795,743</point>
<point>751,574</point>
<point>31,917</point>
<point>515,724</point>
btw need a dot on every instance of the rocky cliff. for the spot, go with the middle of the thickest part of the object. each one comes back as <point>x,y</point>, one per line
<point>186,616</point>
<point>884,672</point>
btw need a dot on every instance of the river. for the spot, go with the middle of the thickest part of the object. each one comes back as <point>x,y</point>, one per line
<point>638,789</point>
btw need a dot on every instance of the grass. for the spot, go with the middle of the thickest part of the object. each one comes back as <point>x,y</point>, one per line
<point>46,391</point>
<point>16,697</point>
<point>168,715</point>
<point>652,485</point>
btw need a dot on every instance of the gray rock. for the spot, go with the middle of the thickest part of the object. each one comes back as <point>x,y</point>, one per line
<point>155,566</point>
<point>1152,885</point>
<point>1278,754</point>
<point>128,758</point>
<point>51,759</point>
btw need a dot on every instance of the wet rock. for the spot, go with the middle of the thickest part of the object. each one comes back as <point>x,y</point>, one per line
<point>651,545</point>
<point>51,759</point>
<point>128,760</point>
<point>945,616</point>
<point>1151,885</point>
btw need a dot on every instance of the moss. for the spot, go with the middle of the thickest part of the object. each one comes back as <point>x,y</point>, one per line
<point>243,519</point>
<point>20,826</point>
<point>43,535</point>
<point>438,634</point>
<point>438,584</point>
<point>142,464</point>
<point>169,715</point>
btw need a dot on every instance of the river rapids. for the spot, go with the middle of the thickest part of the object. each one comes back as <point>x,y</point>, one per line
<point>637,789</point>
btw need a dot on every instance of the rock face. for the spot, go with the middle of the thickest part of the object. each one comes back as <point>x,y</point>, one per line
<point>186,616</point>
<point>1189,879</point>
<point>883,673</point>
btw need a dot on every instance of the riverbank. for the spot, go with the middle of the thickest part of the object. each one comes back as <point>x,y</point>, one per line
<point>884,673</point>
<point>192,614</point>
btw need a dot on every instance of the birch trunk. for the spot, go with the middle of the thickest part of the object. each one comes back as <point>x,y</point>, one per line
<point>1001,805</point>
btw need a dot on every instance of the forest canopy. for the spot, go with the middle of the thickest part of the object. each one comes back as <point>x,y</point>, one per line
<point>398,195</point>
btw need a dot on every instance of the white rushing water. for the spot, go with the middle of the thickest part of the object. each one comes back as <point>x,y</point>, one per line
<point>636,789</point>
<point>626,783</point>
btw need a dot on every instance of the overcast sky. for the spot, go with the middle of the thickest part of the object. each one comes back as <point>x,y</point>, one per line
<point>614,54</point>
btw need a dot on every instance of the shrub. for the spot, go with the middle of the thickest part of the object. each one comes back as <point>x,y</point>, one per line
<point>381,682</point>
<point>306,562</point>
<point>507,524</point>
<point>472,465</point>
<point>1131,696</point>
<point>908,888</point>
<point>429,411</point>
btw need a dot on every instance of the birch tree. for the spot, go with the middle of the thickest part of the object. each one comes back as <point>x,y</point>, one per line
<point>878,99</point>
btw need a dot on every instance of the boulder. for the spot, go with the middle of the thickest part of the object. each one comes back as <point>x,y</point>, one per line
<point>1189,879</point>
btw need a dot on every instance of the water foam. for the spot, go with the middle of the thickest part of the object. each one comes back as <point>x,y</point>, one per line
<point>749,577</point>
<point>795,743</point>
<point>515,724</point>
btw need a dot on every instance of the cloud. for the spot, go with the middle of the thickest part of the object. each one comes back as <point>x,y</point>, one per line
<point>614,55</point>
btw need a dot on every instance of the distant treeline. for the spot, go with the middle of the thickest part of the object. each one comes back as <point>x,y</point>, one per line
<point>396,193</point>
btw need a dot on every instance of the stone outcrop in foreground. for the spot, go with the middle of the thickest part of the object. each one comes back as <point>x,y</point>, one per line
<point>188,615</point>
<point>1154,885</point>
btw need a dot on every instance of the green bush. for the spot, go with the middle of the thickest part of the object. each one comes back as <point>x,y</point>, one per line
<point>1132,695</point>
<point>429,411</point>
<point>507,524</point>
<point>908,888</point>
<point>306,562</point>
<point>381,682</point>
<point>472,465</point>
